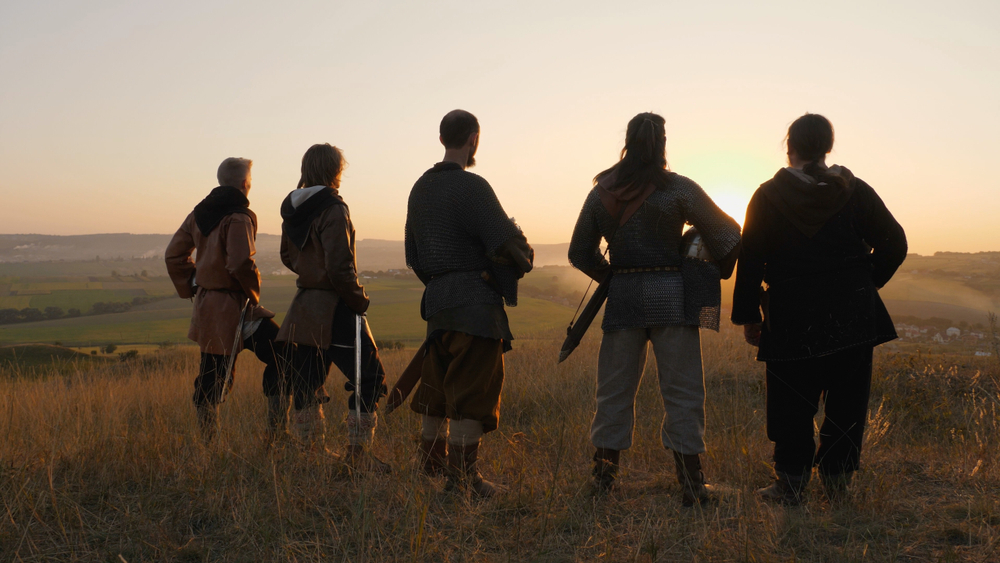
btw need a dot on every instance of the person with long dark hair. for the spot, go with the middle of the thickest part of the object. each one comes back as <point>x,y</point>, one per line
<point>823,243</point>
<point>640,208</point>
<point>318,244</point>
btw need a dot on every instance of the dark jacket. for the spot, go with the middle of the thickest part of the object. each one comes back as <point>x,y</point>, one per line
<point>823,248</point>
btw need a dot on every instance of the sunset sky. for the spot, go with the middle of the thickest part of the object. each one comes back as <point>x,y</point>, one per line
<point>115,115</point>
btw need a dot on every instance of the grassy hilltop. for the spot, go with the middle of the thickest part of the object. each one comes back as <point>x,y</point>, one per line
<point>102,463</point>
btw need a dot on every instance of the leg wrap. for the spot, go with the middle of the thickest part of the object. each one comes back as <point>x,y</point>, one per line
<point>361,431</point>
<point>465,432</point>
<point>434,429</point>
<point>310,425</point>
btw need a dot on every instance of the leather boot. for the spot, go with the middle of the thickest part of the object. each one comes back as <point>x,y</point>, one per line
<point>787,489</point>
<point>692,480</point>
<point>208,421</point>
<point>277,418</point>
<point>464,471</point>
<point>605,468</point>
<point>434,457</point>
<point>835,485</point>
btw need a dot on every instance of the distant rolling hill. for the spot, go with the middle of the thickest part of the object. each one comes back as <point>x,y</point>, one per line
<point>145,252</point>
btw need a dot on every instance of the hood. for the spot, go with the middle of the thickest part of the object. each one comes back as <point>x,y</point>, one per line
<point>808,202</point>
<point>301,207</point>
<point>222,201</point>
<point>300,195</point>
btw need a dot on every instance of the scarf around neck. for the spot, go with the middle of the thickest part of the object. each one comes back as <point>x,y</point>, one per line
<point>298,215</point>
<point>630,196</point>
<point>222,201</point>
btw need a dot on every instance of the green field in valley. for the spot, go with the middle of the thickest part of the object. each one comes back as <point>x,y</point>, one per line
<point>548,297</point>
<point>393,316</point>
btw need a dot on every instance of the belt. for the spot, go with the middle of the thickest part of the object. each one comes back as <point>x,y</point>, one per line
<point>647,269</point>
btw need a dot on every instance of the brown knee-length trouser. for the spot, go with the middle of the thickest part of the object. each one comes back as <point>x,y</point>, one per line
<point>461,378</point>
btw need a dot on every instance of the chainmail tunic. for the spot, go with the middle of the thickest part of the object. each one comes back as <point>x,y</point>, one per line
<point>652,238</point>
<point>454,224</point>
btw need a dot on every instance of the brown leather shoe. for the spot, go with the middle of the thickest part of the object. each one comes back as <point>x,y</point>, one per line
<point>464,471</point>
<point>692,480</point>
<point>434,457</point>
<point>605,468</point>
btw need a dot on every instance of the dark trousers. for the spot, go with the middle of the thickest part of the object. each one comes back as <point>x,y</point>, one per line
<point>310,366</point>
<point>794,388</point>
<point>212,373</point>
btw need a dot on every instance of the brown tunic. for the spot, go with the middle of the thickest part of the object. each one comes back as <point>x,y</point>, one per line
<point>226,275</point>
<point>328,274</point>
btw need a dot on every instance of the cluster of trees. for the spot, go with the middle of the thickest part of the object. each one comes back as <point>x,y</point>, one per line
<point>32,314</point>
<point>389,345</point>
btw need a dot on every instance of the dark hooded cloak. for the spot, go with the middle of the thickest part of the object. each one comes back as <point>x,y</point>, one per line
<point>823,249</point>
<point>222,201</point>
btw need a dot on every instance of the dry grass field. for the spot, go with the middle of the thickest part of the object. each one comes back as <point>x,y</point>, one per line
<point>104,465</point>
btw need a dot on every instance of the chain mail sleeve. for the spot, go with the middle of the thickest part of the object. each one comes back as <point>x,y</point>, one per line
<point>487,220</point>
<point>750,268</point>
<point>585,246</point>
<point>412,256</point>
<point>719,231</point>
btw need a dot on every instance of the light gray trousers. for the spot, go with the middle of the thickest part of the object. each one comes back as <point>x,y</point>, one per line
<point>682,387</point>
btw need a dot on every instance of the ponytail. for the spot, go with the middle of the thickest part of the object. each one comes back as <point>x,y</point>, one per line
<point>643,159</point>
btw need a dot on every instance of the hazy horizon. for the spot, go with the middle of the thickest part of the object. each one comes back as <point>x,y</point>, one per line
<point>115,116</point>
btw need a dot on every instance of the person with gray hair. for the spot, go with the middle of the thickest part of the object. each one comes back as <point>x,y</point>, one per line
<point>224,284</point>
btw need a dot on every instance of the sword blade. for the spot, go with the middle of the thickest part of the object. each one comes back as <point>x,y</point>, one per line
<point>357,366</point>
<point>237,341</point>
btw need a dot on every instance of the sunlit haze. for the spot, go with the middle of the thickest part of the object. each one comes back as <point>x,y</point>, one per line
<point>115,115</point>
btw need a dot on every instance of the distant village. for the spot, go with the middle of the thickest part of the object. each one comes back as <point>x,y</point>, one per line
<point>975,338</point>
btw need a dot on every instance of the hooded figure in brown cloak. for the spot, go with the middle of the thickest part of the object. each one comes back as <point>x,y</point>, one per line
<point>318,244</point>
